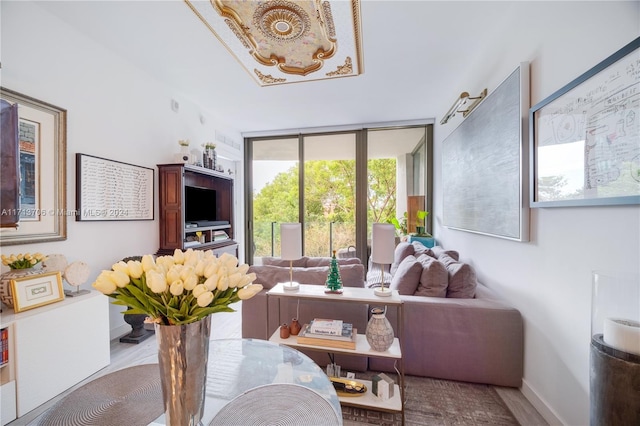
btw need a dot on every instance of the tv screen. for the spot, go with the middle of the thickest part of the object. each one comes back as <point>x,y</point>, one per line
<point>200,204</point>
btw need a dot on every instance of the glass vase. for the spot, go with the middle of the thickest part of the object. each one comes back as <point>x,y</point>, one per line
<point>183,352</point>
<point>379,332</point>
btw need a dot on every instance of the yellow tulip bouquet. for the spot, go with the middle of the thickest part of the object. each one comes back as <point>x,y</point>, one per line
<point>22,261</point>
<point>178,289</point>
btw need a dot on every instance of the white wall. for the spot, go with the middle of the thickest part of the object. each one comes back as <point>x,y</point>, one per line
<point>114,111</point>
<point>549,278</point>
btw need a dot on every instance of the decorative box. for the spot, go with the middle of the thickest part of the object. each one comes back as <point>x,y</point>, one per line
<point>382,386</point>
<point>426,241</point>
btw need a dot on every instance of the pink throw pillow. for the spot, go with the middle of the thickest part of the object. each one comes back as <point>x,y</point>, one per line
<point>403,249</point>
<point>419,248</point>
<point>434,278</point>
<point>407,277</point>
<point>462,278</point>
<point>438,251</point>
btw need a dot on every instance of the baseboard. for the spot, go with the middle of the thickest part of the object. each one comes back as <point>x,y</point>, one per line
<point>540,405</point>
<point>116,333</point>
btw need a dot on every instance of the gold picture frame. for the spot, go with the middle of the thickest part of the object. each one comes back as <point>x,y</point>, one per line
<point>42,207</point>
<point>34,291</point>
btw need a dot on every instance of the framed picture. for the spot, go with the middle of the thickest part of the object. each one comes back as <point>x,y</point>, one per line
<point>37,143</point>
<point>585,138</point>
<point>484,161</point>
<point>33,291</point>
<point>112,190</point>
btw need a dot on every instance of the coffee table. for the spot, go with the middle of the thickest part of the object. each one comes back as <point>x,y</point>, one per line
<point>239,365</point>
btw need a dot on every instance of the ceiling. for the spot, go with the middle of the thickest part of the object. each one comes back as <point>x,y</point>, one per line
<point>284,41</point>
<point>414,55</point>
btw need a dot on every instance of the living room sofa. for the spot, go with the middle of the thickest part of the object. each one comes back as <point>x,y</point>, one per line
<point>454,327</point>
<point>464,333</point>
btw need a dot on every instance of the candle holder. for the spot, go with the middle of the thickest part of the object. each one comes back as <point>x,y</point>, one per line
<point>615,349</point>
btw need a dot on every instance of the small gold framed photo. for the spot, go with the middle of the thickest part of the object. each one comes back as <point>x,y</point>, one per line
<point>36,290</point>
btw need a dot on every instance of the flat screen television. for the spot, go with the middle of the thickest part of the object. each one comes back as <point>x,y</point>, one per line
<point>200,205</point>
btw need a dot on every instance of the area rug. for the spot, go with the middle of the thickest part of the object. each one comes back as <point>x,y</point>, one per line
<point>131,396</point>
<point>439,403</point>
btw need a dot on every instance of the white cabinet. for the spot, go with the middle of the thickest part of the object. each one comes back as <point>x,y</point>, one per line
<point>7,402</point>
<point>7,377</point>
<point>57,346</point>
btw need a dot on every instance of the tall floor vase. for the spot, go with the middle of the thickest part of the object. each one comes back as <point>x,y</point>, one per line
<point>183,351</point>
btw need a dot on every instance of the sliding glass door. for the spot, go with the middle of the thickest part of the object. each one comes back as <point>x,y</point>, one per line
<point>274,192</point>
<point>329,193</point>
<point>397,175</point>
<point>336,184</point>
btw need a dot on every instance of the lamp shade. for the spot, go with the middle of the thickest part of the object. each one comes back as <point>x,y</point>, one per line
<point>383,243</point>
<point>290,241</point>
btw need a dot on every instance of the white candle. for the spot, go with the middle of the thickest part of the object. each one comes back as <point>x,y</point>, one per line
<point>622,334</point>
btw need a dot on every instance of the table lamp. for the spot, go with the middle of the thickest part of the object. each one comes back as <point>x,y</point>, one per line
<point>383,245</point>
<point>290,249</point>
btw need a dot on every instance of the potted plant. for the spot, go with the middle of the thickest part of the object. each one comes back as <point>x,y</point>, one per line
<point>401,225</point>
<point>421,216</point>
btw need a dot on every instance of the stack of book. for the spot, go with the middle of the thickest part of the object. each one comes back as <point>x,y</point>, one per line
<point>4,346</point>
<point>329,333</point>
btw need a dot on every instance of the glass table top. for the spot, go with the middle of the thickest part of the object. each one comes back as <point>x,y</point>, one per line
<point>239,365</point>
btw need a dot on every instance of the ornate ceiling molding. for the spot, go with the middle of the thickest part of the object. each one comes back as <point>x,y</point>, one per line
<point>287,41</point>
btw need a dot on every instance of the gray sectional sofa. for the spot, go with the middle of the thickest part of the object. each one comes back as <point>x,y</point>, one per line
<point>468,333</point>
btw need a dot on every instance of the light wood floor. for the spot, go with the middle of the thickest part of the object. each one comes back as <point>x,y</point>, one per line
<point>226,326</point>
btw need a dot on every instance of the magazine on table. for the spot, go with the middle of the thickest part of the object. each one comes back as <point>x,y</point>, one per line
<point>326,326</point>
<point>346,332</point>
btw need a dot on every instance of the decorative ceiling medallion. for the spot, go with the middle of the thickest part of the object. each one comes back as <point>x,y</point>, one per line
<point>281,20</point>
<point>345,69</point>
<point>268,79</point>
<point>287,41</point>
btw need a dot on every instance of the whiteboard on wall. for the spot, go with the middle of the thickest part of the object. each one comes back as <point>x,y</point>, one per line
<point>484,164</point>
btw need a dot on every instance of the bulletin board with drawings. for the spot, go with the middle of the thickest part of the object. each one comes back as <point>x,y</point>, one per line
<point>585,138</point>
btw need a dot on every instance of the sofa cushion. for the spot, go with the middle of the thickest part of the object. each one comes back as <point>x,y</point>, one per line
<point>462,278</point>
<point>419,248</point>
<point>269,275</point>
<point>403,249</point>
<point>407,276</point>
<point>326,261</point>
<point>437,251</point>
<point>434,278</point>
<point>276,261</point>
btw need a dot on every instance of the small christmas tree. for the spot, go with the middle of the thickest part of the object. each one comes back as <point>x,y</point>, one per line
<point>334,282</point>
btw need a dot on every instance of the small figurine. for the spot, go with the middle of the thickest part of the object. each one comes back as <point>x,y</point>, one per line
<point>334,282</point>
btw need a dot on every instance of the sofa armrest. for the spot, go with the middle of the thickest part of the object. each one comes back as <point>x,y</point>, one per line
<point>473,340</point>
